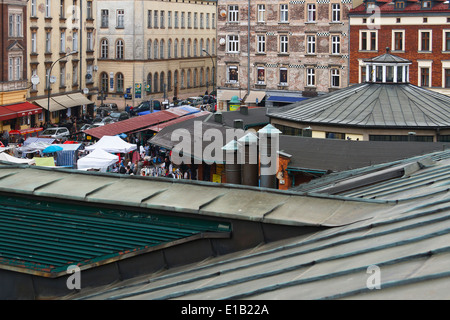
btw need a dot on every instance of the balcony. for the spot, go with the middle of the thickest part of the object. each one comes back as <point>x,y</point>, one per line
<point>13,85</point>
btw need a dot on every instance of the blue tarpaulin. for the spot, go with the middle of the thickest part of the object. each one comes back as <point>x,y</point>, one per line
<point>68,156</point>
<point>285,99</point>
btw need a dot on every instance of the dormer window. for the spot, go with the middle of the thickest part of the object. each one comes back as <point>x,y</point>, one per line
<point>426,4</point>
<point>387,68</point>
<point>370,4</point>
<point>399,5</point>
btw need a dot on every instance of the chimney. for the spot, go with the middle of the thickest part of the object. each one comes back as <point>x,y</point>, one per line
<point>244,110</point>
<point>250,175</point>
<point>239,124</point>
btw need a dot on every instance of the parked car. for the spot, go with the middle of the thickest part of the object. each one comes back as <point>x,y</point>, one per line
<point>195,101</point>
<point>145,106</point>
<point>119,116</point>
<point>209,99</point>
<point>55,133</point>
<point>112,106</point>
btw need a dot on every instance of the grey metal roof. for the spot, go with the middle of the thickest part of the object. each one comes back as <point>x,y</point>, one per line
<point>373,105</point>
<point>407,242</point>
<point>388,58</point>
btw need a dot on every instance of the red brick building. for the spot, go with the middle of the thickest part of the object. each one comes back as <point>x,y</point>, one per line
<point>417,30</point>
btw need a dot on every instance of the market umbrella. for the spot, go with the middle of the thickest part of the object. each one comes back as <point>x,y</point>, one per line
<point>52,148</point>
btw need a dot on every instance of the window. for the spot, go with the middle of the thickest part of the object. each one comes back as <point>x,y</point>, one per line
<point>311,11</point>
<point>104,18</point>
<point>15,28</point>
<point>283,77</point>
<point>169,49</point>
<point>213,20</point>
<point>188,48</point>
<point>335,79</point>
<point>47,9</point>
<point>399,5</point>
<point>207,21</point>
<point>161,49</point>
<point>162,19</point>
<point>62,75</point>
<point>175,49</point>
<point>62,42</point>
<point>424,77</point>
<point>398,41</point>
<point>119,82</point>
<point>284,44</point>
<point>233,74</point>
<point>182,20</point>
<point>119,49</point>
<point>335,44</point>
<point>310,44</point>
<point>195,20</point>
<point>426,4</point>
<point>182,48</point>
<point>368,41</point>
<point>261,13</point>
<point>335,12</point>
<point>14,68</point>
<point>149,18</point>
<point>233,44</point>
<point>447,78</point>
<point>169,19</point>
<point>261,44</point>
<point>89,10</point>
<point>446,40</point>
<point>104,49</point>
<point>104,82</point>
<point>155,49</point>
<point>33,42</point>
<point>189,20</point>
<point>75,74</point>
<point>155,18</point>
<point>284,17</point>
<point>176,19</point>
<point>48,45</point>
<point>233,13</point>
<point>62,10</point>
<point>310,77</point>
<point>75,41</point>
<point>120,18</point>
<point>261,75</point>
<point>425,40</point>
<point>33,8</point>
<point>90,41</point>
<point>202,25</point>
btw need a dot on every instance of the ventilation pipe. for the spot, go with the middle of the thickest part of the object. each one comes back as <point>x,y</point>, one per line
<point>250,176</point>
<point>268,147</point>
<point>232,165</point>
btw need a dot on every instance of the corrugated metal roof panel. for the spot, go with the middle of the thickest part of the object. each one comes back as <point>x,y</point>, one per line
<point>45,238</point>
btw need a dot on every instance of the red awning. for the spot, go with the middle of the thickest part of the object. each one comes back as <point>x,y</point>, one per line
<point>18,110</point>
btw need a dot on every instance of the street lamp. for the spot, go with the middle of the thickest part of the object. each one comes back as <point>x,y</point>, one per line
<point>47,113</point>
<point>214,69</point>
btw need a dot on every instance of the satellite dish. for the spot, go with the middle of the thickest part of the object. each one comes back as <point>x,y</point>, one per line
<point>85,90</point>
<point>35,79</point>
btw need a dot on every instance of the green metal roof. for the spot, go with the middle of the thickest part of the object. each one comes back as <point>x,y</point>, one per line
<point>45,238</point>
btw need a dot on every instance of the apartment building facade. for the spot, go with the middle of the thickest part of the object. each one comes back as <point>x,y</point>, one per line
<point>15,112</point>
<point>281,50</point>
<point>61,39</point>
<point>418,31</point>
<point>155,50</point>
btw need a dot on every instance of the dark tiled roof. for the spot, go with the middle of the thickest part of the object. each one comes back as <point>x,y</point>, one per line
<point>373,105</point>
<point>411,7</point>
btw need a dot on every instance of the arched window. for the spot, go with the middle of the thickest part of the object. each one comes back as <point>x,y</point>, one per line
<point>161,81</point>
<point>207,45</point>
<point>195,47</point>
<point>169,81</point>
<point>104,49</point>
<point>149,49</point>
<point>195,77</point>
<point>149,82</point>
<point>201,76</point>
<point>119,82</point>
<point>213,47</point>
<point>207,76</point>
<point>104,82</point>
<point>188,54</point>
<point>120,49</point>
<point>182,48</point>
<point>175,79</point>
<point>175,48</point>
<point>161,49</point>
<point>169,49</point>
<point>182,79</point>
<point>155,82</point>
<point>155,49</point>
<point>189,78</point>
<point>201,47</point>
